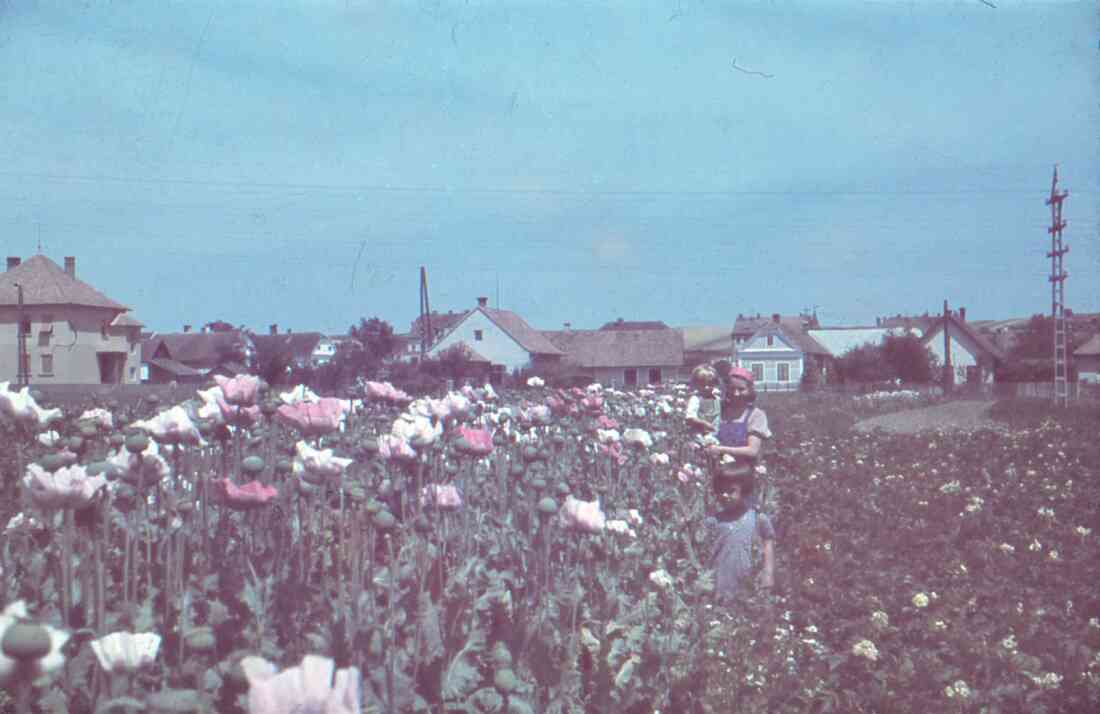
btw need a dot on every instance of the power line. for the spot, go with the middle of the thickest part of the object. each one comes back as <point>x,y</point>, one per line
<point>489,190</point>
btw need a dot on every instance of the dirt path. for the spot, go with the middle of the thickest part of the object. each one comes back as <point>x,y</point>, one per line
<point>964,414</point>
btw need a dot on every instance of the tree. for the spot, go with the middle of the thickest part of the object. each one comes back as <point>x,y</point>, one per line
<point>452,363</point>
<point>1036,341</point>
<point>272,361</point>
<point>909,359</point>
<point>901,357</point>
<point>374,340</point>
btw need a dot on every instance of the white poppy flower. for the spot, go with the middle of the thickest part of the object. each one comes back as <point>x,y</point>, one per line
<point>126,651</point>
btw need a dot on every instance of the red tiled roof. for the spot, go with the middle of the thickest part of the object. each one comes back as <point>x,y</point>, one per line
<point>44,282</point>
<point>1089,349</point>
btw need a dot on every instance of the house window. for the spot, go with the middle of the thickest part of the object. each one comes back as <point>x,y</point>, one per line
<point>44,337</point>
<point>784,372</point>
<point>478,335</point>
<point>47,364</point>
<point>655,375</point>
<point>758,371</point>
<point>771,340</point>
<point>630,377</point>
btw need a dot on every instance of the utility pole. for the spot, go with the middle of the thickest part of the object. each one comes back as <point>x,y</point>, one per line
<point>1058,290</point>
<point>22,377</point>
<point>425,314</point>
<point>948,369</point>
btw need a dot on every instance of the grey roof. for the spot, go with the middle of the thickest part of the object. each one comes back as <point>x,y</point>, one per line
<point>44,282</point>
<point>300,345</point>
<point>1089,349</point>
<point>203,349</point>
<point>528,337</point>
<point>622,324</point>
<point>981,340</point>
<point>621,348</point>
<point>177,368</point>
<point>795,335</point>
<point>839,340</point>
<point>708,338</point>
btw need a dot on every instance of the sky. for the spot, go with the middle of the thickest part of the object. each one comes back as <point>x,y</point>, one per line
<point>297,163</point>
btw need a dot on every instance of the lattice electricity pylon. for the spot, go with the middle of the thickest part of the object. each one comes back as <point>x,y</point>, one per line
<point>1058,291</point>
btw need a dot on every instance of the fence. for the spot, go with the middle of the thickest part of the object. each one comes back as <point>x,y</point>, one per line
<point>1044,390</point>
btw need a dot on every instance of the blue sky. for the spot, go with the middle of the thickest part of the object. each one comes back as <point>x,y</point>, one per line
<point>297,162</point>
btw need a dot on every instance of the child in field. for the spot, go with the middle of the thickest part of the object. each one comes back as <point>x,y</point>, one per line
<point>703,408</point>
<point>742,429</point>
<point>731,534</point>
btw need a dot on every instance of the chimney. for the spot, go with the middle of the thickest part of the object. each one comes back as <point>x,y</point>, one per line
<point>274,329</point>
<point>962,314</point>
<point>13,260</point>
<point>70,266</point>
<point>775,317</point>
<point>482,301</point>
<point>186,328</point>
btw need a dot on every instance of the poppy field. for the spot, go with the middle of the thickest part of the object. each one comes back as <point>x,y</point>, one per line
<point>534,550</point>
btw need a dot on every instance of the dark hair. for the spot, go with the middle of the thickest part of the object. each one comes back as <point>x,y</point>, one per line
<point>746,479</point>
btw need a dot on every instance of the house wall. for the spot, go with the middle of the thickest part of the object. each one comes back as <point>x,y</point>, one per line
<point>769,358</point>
<point>495,344</point>
<point>1088,368</point>
<point>616,376</point>
<point>964,353</point>
<point>73,336</point>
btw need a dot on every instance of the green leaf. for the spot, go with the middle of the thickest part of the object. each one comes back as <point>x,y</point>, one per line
<point>431,636</point>
<point>120,704</point>
<point>519,706</point>
<point>462,676</point>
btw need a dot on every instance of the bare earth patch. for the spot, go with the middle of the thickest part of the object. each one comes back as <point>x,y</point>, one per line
<point>962,415</point>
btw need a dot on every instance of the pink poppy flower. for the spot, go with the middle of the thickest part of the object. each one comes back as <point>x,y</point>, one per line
<point>394,448</point>
<point>615,451</point>
<point>240,391</point>
<point>557,405</point>
<point>68,487</point>
<point>445,497</point>
<point>586,516</point>
<point>313,418</point>
<point>247,496</point>
<point>607,422</point>
<point>478,442</point>
<point>592,404</point>
<point>309,687</point>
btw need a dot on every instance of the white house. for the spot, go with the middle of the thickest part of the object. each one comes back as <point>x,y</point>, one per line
<point>778,353</point>
<point>973,357</point>
<point>501,337</point>
<point>1087,358</point>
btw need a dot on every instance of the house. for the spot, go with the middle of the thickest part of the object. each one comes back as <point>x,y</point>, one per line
<point>432,326</point>
<point>304,349</point>
<point>779,352</point>
<point>914,324</point>
<point>70,332</point>
<point>626,358</point>
<point>706,344</point>
<point>500,337</point>
<point>1087,359</point>
<point>745,326</point>
<point>193,357</point>
<point>973,357</point>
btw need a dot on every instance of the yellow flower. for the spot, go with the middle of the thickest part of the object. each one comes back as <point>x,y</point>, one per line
<point>865,648</point>
<point>920,600</point>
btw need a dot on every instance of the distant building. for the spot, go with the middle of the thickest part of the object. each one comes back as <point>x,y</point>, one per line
<point>193,357</point>
<point>622,358</point>
<point>500,337</point>
<point>73,334</point>
<point>779,351</point>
